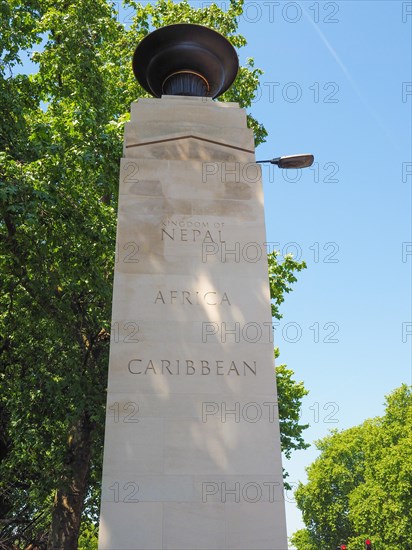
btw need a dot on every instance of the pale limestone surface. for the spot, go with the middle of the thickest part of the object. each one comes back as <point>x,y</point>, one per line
<point>192,445</point>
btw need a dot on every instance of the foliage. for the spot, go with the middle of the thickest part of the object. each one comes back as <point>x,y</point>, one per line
<point>281,277</point>
<point>361,484</point>
<point>88,536</point>
<point>61,135</point>
<point>290,394</point>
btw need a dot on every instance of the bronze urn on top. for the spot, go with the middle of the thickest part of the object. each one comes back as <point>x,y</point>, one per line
<point>187,60</point>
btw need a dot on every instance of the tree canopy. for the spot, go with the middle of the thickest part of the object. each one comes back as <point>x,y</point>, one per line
<point>61,135</point>
<point>361,484</point>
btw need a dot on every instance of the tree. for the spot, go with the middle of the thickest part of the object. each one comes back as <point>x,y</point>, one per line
<point>61,140</point>
<point>281,277</point>
<point>290,393</point>
<point>361,484</point>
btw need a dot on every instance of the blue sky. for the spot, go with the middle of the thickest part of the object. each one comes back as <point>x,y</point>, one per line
<point>335,84</point>
<point>340,96</point>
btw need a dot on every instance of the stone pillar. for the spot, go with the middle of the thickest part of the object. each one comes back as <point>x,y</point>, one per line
<point>192,447</point>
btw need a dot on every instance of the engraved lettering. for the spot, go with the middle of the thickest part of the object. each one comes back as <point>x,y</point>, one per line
<point>205,367</point>
<point>168,222</point>
<point>225,298</point>
<point>210,303</point>
<point>188,367</point>
<point>208,238</point>
<point>130,366</point>
<point>233,368</point>
<point>164,232</point>
<point>190,235</point>
<point>150,366</point>
<point>159,297</point>
<point>245,365</point>
<point>166,365</point>
<point>190,298</point>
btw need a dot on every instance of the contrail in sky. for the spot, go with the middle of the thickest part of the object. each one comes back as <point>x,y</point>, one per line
<point>346,72</point>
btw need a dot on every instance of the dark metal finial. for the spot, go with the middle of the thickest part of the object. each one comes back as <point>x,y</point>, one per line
<point>185,59</point>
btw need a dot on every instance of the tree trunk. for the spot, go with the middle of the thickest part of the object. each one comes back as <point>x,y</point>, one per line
<point>69,500</point>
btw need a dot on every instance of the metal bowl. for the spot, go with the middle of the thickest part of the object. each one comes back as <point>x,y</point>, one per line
<point>185,59</point>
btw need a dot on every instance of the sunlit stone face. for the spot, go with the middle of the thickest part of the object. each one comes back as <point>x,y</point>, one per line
<point>192,448</point>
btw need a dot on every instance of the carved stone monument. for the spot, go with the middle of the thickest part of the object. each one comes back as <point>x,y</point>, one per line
<point>192,446</point>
